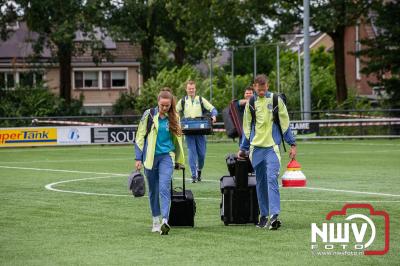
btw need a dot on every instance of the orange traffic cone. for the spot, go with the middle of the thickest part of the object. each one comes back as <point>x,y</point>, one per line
<point>293,177</point>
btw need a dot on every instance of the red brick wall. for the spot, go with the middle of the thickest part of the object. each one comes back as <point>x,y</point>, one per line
<point>360,85</point>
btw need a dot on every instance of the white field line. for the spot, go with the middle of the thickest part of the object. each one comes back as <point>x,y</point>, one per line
<point>85,172</point>
<point>51,187</point>
<point>58,170</point>
<point>177,178</point>
<point>211,156</point>
<point>91,148</point>
<point>71,160</point>
<point>350,191</point>
<point>56,149</point>
<point>316,142</point>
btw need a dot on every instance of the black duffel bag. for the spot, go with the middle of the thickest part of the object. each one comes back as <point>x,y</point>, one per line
<point>137,184</point>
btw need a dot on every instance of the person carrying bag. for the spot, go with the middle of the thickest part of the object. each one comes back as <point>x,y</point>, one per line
<point>159,150</point>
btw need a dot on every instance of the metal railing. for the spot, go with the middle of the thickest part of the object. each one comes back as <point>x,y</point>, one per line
<point>383,123</point>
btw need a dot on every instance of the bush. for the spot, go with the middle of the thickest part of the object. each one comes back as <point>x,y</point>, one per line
<point>323,88</point>
<point>125,104</point>
<point>222,88</point>
<point>174,78</point>
<point>35,102</point>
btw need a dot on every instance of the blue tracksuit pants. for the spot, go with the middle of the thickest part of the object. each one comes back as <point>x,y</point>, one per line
<point>266,163</point>
<point>197,152</point>
<point>159,180</point>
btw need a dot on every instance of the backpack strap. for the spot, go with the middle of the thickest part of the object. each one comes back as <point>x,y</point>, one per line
<point>150,120</point>
<point>203,109</point>
<point>252,108</point>
<point>183,101</point>
<point>275,112</point>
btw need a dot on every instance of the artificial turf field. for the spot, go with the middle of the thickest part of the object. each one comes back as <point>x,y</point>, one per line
<point>89,217</point>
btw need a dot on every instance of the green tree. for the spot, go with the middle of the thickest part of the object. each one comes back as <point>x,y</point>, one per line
<point>56,22</point>
<point>35,101</point>
<point>331,17</point>
<point>139,22</point>
<point>382,54</point>
<point>244,59</point>
<point>193,27</point>
<point>8,15</point>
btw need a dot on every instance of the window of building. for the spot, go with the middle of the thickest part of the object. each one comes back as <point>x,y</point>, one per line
<point>78,79</point>
<point>106,79</point>
<point>102,79</point>
<point>91,79</point>
<point>6,80</point>
<point>358,49</point>
<point>118,78</point>
<point>26,79</point>
<point>38,78</point>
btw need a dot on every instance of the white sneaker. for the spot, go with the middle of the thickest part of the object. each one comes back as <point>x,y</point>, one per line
<point>156,225</point>
<point>165,227</point>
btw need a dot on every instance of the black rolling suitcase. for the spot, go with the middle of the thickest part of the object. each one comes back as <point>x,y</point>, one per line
<point>183,206</point>
<point>238,205</point>
<point>237,117</point>
<point>230,128</point>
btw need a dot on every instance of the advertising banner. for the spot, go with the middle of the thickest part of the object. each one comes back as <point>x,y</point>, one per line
<point>17,137</point>
<point>73,135</point>
<point>304,128</point>
<point>113,135</point>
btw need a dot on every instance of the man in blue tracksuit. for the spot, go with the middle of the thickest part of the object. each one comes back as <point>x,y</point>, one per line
<point>262,139</point>
<point>193,107</point>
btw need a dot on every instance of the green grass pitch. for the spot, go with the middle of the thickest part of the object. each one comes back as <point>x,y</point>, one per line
<point>99,223</point>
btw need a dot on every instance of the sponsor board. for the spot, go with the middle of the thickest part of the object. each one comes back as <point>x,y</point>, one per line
<point>73,135</point>
<point>38,136</point>
<point>303,128</point>
<point>113,135</point>
<point>356,229</point>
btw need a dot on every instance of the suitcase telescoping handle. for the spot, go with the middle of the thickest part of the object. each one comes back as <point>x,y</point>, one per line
<point>183,179</point>
<point>183,184</point>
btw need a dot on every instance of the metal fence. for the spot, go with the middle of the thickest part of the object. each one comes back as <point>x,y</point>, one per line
<point>382,123</point>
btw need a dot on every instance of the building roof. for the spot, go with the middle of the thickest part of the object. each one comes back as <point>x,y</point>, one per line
<point>296,41</point>
<point>19,44</point>
<point>18,47</point>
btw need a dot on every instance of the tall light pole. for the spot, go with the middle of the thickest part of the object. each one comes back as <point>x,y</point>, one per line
<point>233,73</point>
<point>211,75</point>
<point>306,49</point>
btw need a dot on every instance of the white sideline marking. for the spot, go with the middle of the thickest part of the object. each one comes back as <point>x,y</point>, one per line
<point>50,187</point>
<point>211,156</point>
<point>72,160</point>
<point>56,149</point>
<point>84,172</point>
<point>344,143</point>
<point>349,191</point>
<point>58,170</point>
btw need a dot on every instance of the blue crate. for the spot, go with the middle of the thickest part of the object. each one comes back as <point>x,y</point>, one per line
<point>196,126</point>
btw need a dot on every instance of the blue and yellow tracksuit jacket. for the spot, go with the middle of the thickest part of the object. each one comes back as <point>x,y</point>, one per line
<point>145,148</point>
<point>265,133</point>
<point>193,108</point>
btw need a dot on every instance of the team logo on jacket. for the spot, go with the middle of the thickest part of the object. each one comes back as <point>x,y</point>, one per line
<point>269,106</point>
